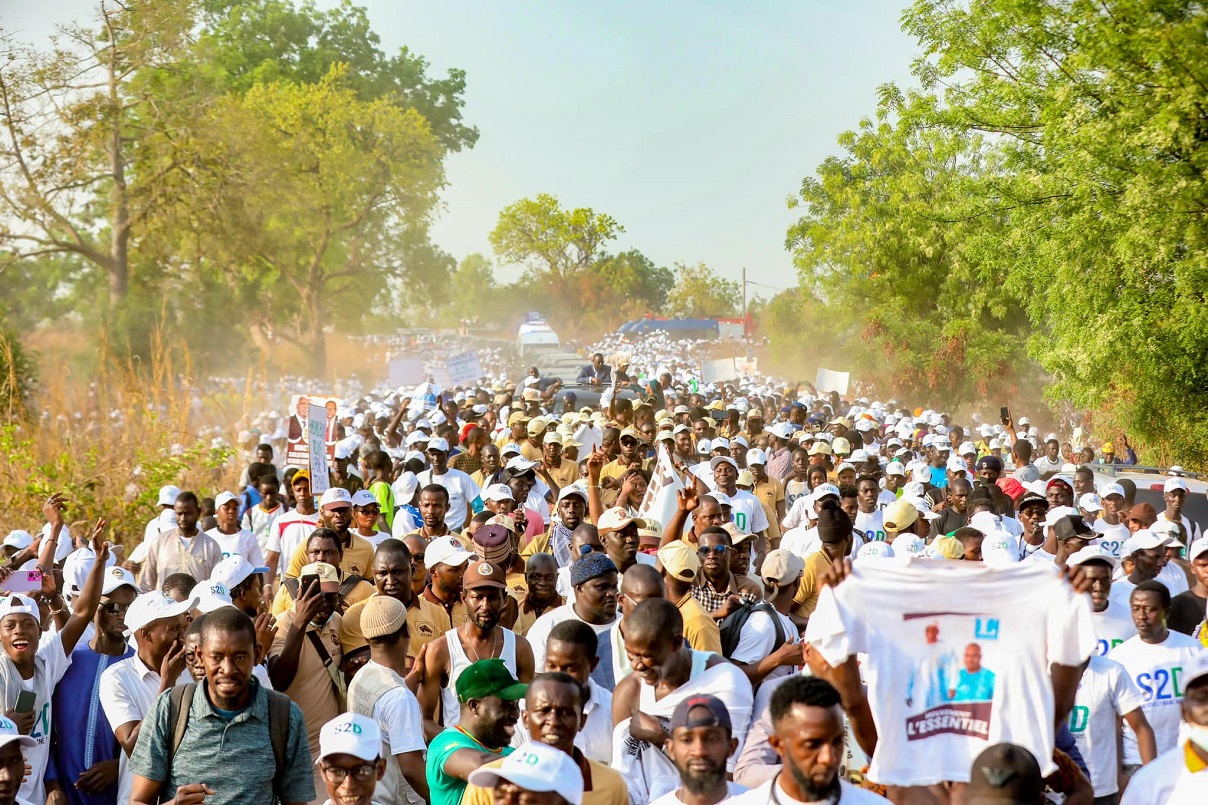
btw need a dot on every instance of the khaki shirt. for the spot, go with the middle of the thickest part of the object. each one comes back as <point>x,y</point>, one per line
<point>313,689</point>
<point>701,631</point>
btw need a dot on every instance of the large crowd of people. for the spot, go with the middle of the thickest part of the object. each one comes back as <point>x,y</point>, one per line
<point>690,593</point>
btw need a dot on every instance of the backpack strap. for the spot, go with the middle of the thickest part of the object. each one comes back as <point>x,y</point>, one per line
<point>278,728</point>
<point>349,583</point>
<point>293,585</point>
<point>180,702</point>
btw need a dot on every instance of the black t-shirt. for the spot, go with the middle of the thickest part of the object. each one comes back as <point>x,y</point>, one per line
<point>1186,612</point>
<point>949,521</point>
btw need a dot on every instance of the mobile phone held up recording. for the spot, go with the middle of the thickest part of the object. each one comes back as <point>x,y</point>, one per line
<point>22,581</point>
<point>308,583</point>
<point>1004,414</point>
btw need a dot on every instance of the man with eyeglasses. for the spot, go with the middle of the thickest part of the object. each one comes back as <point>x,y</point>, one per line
<point>128,688</point>
<point>350,759</point>
<point>87,760</point>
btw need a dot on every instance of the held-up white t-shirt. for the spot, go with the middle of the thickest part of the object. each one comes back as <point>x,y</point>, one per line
<point>1156,669</point>
<point>1105,692</point>
<point>958,658</point>
<point>1113,626</point>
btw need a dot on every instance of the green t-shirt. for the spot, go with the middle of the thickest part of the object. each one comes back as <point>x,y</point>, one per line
<point>445,789</point>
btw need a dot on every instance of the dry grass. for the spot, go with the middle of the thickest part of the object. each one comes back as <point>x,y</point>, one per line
<point>109,440</point>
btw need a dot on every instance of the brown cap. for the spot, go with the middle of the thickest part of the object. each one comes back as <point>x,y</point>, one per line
<point>482,574</point>
<point>1143,513</point>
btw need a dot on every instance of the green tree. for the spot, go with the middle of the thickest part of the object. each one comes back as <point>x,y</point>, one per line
<point>633,280</point>
<point>698,293</point>
<point>309,201</point>
<point>557,246</point>
<point>904,290</point>
<point>1096,112</point>
<point>247,42</point>
<point>472,287</point>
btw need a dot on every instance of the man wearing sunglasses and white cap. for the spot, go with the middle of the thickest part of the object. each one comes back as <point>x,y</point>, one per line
<point>128,688</point>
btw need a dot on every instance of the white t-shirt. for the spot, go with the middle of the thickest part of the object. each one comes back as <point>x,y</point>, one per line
<point>1174,578</point>
<point>397,712</point>
<point>1113,626</point>
<point>538,633</point>
<point>1043,464</point>
<point>871,526</point>
<point>762,795</point>
<point>290,530</point>
<point>242,543</point>
<point>758,639</point>
<point>748,512</point>
<point>672,797</point>
<point>1105,692</point>
<point>886,498</point>
<point>1192,529</point>
<point>52,663</point>
<point>1167,781</point>
<point>958,658</point>
<point>462,491</point>
<point>801,513</point>
<point>1112,538</point>
<point>1155,668</point>
<point>260,522</point>
<point>794,490</point>
<point>807,543</point>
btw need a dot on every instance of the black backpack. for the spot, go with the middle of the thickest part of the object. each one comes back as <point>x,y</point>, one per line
<point>731,625</point>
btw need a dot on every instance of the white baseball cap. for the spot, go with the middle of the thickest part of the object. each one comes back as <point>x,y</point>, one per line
<point>336,497</point>
<point>363,497</point>
<point>1173,484</point>
<point>875,550</point>
<point>233,571</point>
<point>1093,552</point>
<point>498,492</point>
<point>19,539</point>
<point>222,498</point>
<point>1196,669</point>
<point>213,595</point>
<point>989,523</point>
<point>446,551</point>
<point>10,733</point>
<point>720,443</point>
<point>1143,540</point>
<point>782,430</point>
<point>437,444</point>
<point>168,495</point>
<point>117,577</point>
<point>823,490</point>
<point>1198,547</point>
<point>17,604</point>
<point>536,767</point>
<point>907,545</point>
<point>756,456</point>
<point>895,468</point>
<point>520,464</point>
<point>1172,532</point>
<point>1090,502</point>
<point>1058,513</point>
<point>957,464</point>
<point>1112,489</point>
<point>351,734</point>
<point>154,606</point>
<point>78,565</point>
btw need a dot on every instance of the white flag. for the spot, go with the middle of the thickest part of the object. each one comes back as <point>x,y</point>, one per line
<point>665,482</point>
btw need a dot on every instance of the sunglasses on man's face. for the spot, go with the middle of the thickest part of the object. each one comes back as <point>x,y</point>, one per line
<point>705,550</point>
<point>114,608</point>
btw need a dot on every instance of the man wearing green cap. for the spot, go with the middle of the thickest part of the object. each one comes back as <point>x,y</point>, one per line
<point>489,696</point>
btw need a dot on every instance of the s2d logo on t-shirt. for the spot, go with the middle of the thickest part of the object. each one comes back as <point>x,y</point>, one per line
<point>1080,717</point>
<point>1160,685</point>
<point>740,520</point>
<point>41,727</point>
<point>986,629</point>
<point>1103,646</point>
<point>872,535</point>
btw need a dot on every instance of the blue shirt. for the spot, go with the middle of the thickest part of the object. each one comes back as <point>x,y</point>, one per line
<point>81,736</point>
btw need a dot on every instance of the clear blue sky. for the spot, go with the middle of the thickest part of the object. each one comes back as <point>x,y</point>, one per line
<point>688,122</point>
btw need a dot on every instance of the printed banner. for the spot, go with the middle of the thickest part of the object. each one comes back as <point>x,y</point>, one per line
<point>949,691</point>
<point>829,380</point>
<point>317,434</point>
<point>298,435</point>
<point>665,483</point>
<point>464,369</point>
<point>404,371</point>
<point>717,371</point>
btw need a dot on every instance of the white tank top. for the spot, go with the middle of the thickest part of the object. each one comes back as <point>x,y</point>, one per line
<point>646,700</point>
<point>459,661</point>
